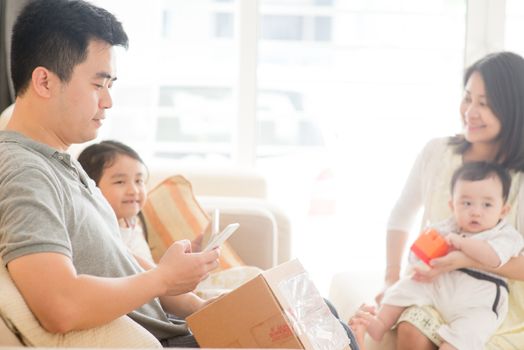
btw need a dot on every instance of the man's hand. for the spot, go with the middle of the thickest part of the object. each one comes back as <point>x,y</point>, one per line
<point>181,270</point>
<point>196,243</point>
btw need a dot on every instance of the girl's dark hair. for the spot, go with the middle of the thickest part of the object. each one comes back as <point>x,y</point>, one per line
<point>503,76</point>
<point>477,171</point>
<point>96,157</point>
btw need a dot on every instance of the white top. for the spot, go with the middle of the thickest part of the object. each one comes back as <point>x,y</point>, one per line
<point>135,241</point>
<point>503,238</point>
<point>428,188</point>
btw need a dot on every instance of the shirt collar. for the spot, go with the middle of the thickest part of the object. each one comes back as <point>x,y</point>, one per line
<point>47,151</point>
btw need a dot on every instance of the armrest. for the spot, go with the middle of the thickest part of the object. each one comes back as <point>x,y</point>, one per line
<point>122,332</point>
<point>7,337</point>
<point>349,289</point>
<point>256,240</point>
<point>212,180</point>
<point>264,237</point>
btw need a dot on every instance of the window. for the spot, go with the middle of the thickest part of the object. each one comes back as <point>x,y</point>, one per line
<point>175,83</point>
<point>223,25</point>
<point>340,88</point>
<point>367,75</point>
<point>514,26</point>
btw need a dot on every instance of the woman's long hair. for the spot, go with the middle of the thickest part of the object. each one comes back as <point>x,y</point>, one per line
<point>503,76</point>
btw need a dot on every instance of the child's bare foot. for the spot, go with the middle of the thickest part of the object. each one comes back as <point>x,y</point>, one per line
<point>365,321</point>
<point>360,322</point>
<point>359,330</point>
<point>376,328</point>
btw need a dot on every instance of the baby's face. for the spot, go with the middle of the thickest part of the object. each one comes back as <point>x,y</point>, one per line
<point>478,205</point>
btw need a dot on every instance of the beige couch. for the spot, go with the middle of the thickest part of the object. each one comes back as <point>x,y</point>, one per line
<point>264,237</point>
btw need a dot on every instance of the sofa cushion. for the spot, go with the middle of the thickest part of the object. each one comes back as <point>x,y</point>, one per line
<point>172,213</point>
<point>122,332</point>
<point>7,337</point>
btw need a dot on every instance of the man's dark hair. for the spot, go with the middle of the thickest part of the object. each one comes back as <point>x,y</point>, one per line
<point>503,76</point>
<point>477,171</point>
<point>55,34</point>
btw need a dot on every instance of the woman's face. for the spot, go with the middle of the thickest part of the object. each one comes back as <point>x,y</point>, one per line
<point>480,123</point>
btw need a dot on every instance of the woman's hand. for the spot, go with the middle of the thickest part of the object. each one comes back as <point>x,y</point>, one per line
<point>387,284</point>
<point>452,261</point>
<point>392,276</point>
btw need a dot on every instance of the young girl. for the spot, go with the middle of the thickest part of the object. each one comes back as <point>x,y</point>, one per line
<point>121,174</point>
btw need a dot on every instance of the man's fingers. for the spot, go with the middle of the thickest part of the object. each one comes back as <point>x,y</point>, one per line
<point>204,277</point>
<point>185,245</point>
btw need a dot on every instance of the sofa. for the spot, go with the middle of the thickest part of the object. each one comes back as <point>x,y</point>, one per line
<point>263,239</point>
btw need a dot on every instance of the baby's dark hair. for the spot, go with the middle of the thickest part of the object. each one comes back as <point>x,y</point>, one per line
<point>96,157</point>
<point>476,171</point>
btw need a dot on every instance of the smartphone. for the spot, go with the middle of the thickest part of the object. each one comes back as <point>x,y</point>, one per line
<point>219,238</point>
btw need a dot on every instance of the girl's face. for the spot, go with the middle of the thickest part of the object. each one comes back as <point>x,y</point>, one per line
<point>480,123</point>
<point>123,185</point>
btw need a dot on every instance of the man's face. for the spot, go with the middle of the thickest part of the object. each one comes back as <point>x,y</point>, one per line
<point>82,101</point>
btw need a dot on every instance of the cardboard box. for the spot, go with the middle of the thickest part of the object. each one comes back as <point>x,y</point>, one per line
<point>281,308</point>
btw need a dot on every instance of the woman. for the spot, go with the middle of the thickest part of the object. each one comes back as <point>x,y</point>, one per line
<point>492,113</point>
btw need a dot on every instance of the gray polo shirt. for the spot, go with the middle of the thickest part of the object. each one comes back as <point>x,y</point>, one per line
<point>49,204</point>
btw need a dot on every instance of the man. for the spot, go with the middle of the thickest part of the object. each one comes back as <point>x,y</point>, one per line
<point>59,237</point>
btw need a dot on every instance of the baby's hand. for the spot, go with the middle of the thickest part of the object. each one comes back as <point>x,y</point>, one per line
<point>454,240</point>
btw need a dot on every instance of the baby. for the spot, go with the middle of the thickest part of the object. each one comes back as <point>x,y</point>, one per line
<point>473,303</point>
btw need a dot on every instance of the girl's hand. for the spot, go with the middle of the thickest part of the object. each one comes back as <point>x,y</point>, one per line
<point>452,261</point>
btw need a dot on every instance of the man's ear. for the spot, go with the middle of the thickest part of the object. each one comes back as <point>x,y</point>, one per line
<point>505,210</point>
<point>450,203</point>
<point>42,81</point>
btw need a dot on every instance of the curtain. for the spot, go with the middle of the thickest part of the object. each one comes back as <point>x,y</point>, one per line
<point>5,98</point>
<point>9,9</point>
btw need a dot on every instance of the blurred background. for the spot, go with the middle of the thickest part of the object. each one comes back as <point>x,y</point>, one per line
<point>330,100</point>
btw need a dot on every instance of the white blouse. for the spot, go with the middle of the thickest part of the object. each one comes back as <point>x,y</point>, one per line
<point>135,241</point>
<point>428,188</point>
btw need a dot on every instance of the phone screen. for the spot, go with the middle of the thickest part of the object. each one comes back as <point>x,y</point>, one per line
<point>217,240</point>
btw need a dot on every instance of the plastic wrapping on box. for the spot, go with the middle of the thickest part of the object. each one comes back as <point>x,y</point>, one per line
<point>309,314</point>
